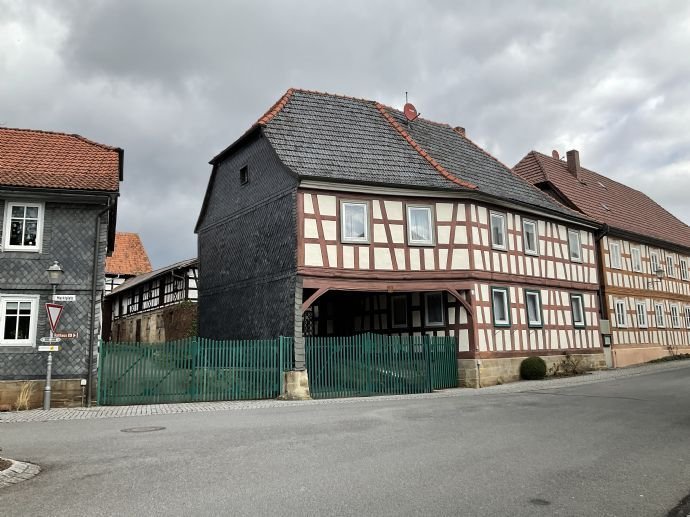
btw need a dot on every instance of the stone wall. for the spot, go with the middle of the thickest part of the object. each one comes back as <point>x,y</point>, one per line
<point>64,393</point>
<point>507,369</point>
<point>165,324</point>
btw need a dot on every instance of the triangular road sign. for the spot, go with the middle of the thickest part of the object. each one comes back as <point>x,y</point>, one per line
<point>54,312</point>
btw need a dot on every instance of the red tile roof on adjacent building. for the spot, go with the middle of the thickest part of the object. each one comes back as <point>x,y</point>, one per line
<point>605,200</point>
<point>44,159</point>
<point>129,256</point>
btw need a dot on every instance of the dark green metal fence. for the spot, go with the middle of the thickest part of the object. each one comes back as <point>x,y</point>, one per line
<point>371,364</point>
<point>189,370</point>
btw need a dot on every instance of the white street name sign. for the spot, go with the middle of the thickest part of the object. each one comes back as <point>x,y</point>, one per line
<point>64,297</point>
<point>49,348</point>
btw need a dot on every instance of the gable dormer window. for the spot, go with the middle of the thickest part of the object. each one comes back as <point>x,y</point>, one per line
<point>23,226</point>
<point>244,175</point>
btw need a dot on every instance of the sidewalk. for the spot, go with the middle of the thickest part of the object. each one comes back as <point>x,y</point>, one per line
<point>39,415</point>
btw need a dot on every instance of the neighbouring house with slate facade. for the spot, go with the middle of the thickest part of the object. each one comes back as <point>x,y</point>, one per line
<point>128,260</point>
<point>644,258</point>
<point>153,307</point>
<point>333,216</point>
<point>58,202</point>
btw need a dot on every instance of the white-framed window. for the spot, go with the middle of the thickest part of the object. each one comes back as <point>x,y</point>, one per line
<point>669,266</point>
<point>636,259</point>
<point>577,306</point>
<point>683,269</point>
<point>530,237</point>
<point>621,314</point>
<point>533,305</point>
<point>499,238</point>
<point>615,254</point>
<point>687,316</point>
<point>420,225</point>
<point>500,306</point>
<point>654,259</point>
<point>433,314</point>
<point>354,221</point>
<point>675,316</point>
<point>659,314</point>
<point>399,305</point>
<point>23,226</point>
<point>574,245</point>
<point>641,310</point>
<point>18,315</point>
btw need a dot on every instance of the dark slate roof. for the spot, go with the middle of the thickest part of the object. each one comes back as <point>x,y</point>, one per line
<point>134,281</point>
<point>343,139</point>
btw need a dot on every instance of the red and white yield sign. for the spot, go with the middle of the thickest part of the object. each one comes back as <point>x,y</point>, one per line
<point>54,312</point>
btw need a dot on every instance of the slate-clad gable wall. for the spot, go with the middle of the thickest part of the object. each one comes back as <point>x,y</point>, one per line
<point>247,248</point>
<point>68,237</point>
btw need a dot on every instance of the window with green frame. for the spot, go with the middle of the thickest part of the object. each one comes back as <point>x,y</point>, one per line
<point>500,306</point>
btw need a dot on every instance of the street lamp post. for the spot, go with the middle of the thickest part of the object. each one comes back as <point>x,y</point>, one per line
<point>55,274</point>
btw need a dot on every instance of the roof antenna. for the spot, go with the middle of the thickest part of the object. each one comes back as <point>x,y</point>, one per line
<point>409,111</point>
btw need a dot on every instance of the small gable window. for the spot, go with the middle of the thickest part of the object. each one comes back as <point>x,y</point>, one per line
<point>23,226</point>
<point>244,175</point>
<point>498,231</point>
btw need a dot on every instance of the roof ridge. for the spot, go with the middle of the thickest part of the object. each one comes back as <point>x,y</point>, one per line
<point>276,108</point>
<point>381,108</point>
<point>61,133</point>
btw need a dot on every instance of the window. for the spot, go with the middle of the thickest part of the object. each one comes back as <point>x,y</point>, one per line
<point>615,254</point>
<point>354,222</point>
<point>420,225</point>
<point>641,309</point>
<point>675,317</point>
<point>244,175</point>
<point>687,316</point>
<point>530,237</point>
<point>399,304</point>
<point>659,313</point>
<point>654,257</point>
<point>684,269</point>
<point>621,314</point>
<point>433,303</point>
<point>669,266</point>
<point>500,305</point>
<point>23,226</point>
<point>498,231</point>
<point>636,259</point>
<point>533,304</point>
<point>577,305</point>
<point>18,320</point>
<point>574,245</point>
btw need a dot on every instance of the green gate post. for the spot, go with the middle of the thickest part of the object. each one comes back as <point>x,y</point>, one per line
<point>281,345</point>
<point>101,357</point>
<point>427,351</point>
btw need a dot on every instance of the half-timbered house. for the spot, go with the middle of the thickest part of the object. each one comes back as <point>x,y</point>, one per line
<point>336,216</point>
<point>644,256</point>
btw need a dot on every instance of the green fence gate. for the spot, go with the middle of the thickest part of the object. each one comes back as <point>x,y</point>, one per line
<point>189,370</point>
<point>371,364</point>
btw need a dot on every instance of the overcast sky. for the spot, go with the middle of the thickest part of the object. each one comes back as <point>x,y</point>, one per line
<point>173,83</point>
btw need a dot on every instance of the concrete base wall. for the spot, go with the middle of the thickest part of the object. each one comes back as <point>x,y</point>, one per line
<point>65,393</point>
<point>295,385</point>
<point>629,356</point>
<point>502,370</point>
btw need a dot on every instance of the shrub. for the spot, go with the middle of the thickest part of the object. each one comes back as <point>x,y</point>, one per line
<point>533,368</point>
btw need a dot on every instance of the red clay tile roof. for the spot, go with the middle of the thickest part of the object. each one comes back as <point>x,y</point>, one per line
<point>129,256</point>
<point>43,159</point>
<point>606,201</point>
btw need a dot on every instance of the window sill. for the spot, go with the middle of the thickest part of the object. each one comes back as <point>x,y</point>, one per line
<point>532,253</point>
<point>422,244</point>
<point>494,248</point>
<point>345,241</point>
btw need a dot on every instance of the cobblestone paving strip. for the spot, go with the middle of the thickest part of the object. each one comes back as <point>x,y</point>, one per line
<point>39,415</point>
<point>19,471</point>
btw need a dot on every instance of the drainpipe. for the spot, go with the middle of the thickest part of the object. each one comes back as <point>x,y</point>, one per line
<point>603,303</point>
<point>94,284</point>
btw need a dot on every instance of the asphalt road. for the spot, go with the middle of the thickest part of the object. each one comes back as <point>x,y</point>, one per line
<point>620,447</point>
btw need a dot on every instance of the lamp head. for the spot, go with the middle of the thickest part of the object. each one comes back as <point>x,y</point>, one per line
<point>660,273</point>
<point>55,274</point>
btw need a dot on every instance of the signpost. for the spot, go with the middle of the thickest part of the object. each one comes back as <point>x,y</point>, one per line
<point>54,312</point>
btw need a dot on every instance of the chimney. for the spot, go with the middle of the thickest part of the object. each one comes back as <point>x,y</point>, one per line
<point>573,162</point>
<point>555,155</point>
<point>460,130</point>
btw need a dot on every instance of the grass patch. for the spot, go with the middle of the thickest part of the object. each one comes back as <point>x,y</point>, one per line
<point>4,464</point>
<point>676,357</point>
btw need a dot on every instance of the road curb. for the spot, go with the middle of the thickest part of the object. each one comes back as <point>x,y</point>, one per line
<point>19,471</point>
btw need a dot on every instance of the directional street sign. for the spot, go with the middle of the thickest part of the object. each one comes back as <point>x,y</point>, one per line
<point>49,348</point>
<point>50,340</point>
<point>54,312</point>
<point>64,297</point>
<point>66,335</point>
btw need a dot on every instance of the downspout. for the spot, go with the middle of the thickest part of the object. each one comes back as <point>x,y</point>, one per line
<point>603,302</point>
<point>94,284</point>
